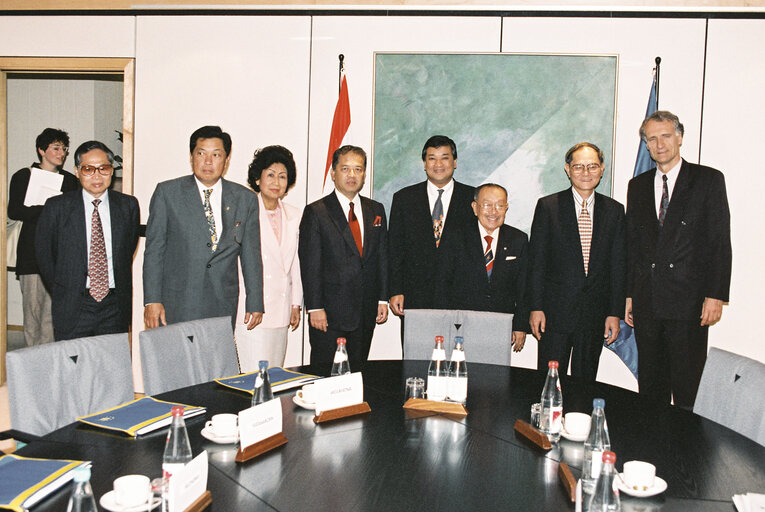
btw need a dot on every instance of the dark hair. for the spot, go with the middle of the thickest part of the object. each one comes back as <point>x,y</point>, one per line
<point>210,132</point>
<point>577,147</point>
<point>90,146</point>
<point>264,158</point>
<point>487,185</point>
<point>437,141</point>
<point>48,137</point>
<point>661,116</point>
<point>345,150</point>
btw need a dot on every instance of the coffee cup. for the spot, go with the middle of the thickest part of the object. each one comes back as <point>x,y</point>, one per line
<point>639,475</point>
<point>307,394</point>
<point>577,423</point>
<point>223,425</point>
<point>132,490</point>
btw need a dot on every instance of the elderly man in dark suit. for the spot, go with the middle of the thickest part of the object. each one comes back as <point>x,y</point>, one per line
<point>343,263</point>
<point>578,258</point>
<point>200,228</point>
<point>84,244</point>
<point>679,263</point>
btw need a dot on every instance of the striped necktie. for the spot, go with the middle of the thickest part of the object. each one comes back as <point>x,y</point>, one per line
<point>488,256</point>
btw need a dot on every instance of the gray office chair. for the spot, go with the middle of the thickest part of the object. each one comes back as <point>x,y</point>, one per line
<point>487,335</point>
<point>51,385</point>
<point>187,353</point>
<point>730,393</point>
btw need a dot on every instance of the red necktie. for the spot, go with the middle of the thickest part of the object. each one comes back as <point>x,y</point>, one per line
<point>488,256</point>
<point>97,269</point>
<point>353,222</point>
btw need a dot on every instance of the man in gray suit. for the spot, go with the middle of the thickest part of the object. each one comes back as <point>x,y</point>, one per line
<point>199,227</point>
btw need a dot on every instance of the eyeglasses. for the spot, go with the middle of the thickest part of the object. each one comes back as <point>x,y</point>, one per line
<point>497,207</point>
<point>579,168</point>
<point>90,170</point>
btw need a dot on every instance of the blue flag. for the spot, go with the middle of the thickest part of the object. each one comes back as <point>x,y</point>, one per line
<point>625,346</point>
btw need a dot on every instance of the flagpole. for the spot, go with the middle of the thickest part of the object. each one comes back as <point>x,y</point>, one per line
<point>341,57</point>
<point>658,66</point>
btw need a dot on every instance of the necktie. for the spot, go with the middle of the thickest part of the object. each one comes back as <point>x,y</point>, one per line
<point>664,205</point>
<point>585,234</point>
<point>97,266</point>
<point>488,256</point>
<point>438,218</point>
<point>210,219</point>
<point>353,222</point>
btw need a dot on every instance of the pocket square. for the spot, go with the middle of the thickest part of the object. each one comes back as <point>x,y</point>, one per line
<point>509,258</point>
<point>378,221</point>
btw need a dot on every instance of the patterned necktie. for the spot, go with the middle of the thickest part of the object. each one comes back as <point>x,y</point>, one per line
<point>664,205</point>
<point>97,265</point>
<point>585,235</point>
<point>353,222</point>
<point>438,218</point>
<point>210,219</point>
<point>488,256</point>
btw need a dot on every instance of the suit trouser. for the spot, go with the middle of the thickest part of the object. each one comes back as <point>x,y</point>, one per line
<point>358,341</point>
<point>35,300</point>
<point>585,356</point>
<point>94,319</point>
<point>671,357</point>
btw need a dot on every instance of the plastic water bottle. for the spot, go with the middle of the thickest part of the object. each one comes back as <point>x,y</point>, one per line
<point>82,499</point>
<point>596,444</point>
<point>458,375</point>
<point>177,448</point>
<point>340,364</point>
<point>438,372</point>
<point>262,392</point>
<point>552,404</point>
<point>606,498</point>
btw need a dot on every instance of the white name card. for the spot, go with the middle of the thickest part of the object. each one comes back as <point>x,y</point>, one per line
<point>341,391</point>
<point>260,422</point>
<point>188,484</point>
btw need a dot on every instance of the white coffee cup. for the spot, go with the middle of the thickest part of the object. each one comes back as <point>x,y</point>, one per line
<point>132,490</point>
<point>577,423</point>
<point>223,425</point>
<point>307,394</point>
<point>639,475</point>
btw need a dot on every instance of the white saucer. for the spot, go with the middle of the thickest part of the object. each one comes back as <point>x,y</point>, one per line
<point>107,501</point>
<point>659,486</point>
<point>572,437</point>
<point>305,405</point>
<point>207,434</point>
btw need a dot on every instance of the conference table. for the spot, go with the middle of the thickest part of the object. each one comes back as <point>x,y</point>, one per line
<point>392,459</point>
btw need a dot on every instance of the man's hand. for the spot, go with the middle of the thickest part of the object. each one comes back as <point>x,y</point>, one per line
<point>628,312</point>
<point>154,315</point>
<point>295,317</point>
<point>397,305</point>
<point>537,323</point>
<point>252,319</point>
<point>612,329</point>
<point>711,311</point>
<point>382,313</point>
<point>318,319</point>
<point>519,339</point>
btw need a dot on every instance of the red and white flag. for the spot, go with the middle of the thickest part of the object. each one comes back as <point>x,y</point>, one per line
<point>340,123</point>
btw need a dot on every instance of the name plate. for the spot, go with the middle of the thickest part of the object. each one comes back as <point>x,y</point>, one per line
<point>260,422</point>
<point>187,484</point>
<point>341,391</point>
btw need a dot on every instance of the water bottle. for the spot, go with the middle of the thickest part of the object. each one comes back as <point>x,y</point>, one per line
<point>606,498</point>
<point>458,375</point>
<point>177,448</point>
<point>552,404</point>
<point>340,364</point>
<point>82,499</point>
<point>596,444</point>
<point>438,372</point>
<point>262,392</point>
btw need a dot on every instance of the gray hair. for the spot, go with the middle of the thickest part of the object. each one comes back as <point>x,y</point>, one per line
<point>661,116</point>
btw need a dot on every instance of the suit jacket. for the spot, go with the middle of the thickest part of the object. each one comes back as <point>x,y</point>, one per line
<point>335,277</point>
<point>413,255</point>
<point>62,253</point>
<point>557,282</point>
<point>673,268</point>
<point>181,271</point>
<point>467,285</point>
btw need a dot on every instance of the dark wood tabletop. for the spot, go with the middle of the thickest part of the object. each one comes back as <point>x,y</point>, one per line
<point>390,459</point>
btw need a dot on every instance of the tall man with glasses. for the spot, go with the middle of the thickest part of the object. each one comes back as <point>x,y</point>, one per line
<point>577,268</point>
<point>85,243</point>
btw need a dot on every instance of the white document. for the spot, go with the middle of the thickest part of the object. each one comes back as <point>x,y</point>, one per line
<point>42,185</point>
<point>188,484</point>
<point>260,422</point>
<point>341,391</point>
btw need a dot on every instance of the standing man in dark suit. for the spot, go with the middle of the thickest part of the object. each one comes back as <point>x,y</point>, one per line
<point>488,272</point>
<point>85,243</point>
<point>425,220</point>
<point>344,263</point>
<point>578,258</point>
<point>679,263</point>
<point>200,227</point>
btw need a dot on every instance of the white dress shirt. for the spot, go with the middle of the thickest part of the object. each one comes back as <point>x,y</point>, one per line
<point>658,184</point>
<point>579,203</point>
<point>345,204</point>
<point>216,203</point>
<point>446,197</point>
<point>106,227</point>
<point>494,235</point>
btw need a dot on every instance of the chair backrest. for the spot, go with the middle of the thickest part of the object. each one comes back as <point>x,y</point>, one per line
<point>187,353</point>
<point>730,393</point>
<point>51,385</point>
<point>487,335</point>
